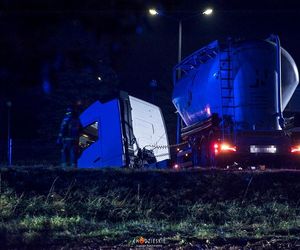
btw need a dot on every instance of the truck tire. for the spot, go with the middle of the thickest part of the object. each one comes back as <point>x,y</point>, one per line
<point>196,153</point>
<point>211,153</point>
<point>204,153</point>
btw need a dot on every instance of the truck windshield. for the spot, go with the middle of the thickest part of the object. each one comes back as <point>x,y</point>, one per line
<point>88,136</point>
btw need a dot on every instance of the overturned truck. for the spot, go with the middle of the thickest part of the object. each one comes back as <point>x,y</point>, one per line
<point>125,131</point>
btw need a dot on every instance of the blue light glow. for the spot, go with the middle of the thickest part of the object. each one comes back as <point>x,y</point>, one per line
<point>139,30</point>
<point>46,86</point>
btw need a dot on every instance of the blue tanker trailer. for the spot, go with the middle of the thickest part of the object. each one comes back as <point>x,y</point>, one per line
<point>231,97</point>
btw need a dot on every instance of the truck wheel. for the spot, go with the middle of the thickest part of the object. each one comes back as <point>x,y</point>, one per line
<point>196,153</point>
<point>211,153</point>
<point>204,153</point>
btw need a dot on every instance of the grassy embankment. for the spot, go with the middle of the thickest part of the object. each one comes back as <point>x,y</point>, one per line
<point>112,207</point>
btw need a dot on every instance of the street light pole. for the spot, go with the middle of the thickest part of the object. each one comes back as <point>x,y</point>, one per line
<point>9,139</point>
<point>179,40</point>
<point>154,12</point>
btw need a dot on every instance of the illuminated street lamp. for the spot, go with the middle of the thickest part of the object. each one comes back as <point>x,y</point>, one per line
<point>206,12</point>
<point>153,12</point>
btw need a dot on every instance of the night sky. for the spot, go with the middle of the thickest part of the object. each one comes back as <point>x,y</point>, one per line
<point>48,45</point>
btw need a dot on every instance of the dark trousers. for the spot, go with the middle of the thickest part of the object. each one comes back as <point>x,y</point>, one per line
<point>69,152</point>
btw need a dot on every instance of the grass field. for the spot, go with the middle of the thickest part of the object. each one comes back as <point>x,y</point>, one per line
<point>54,208</point>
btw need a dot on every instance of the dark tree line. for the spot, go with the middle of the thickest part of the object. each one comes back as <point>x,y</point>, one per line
<point>53,57</point>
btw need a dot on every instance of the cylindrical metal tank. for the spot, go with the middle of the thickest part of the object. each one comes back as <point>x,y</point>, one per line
<point>253,76</point>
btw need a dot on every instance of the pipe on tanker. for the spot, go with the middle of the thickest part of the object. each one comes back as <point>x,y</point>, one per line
<point>178,127</point>
<point>279,82</point>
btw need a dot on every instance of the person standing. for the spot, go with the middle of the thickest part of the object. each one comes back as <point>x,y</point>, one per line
<point>68,138</point>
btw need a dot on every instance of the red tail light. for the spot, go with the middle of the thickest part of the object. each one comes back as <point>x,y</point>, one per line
<point>295,149</point>
<point>224,148</point>
<point>216,147</point>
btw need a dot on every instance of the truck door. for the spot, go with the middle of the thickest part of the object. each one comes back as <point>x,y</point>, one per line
<point>101,139</point>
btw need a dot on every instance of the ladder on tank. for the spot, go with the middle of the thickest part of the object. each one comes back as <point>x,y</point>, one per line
<point>227,92</point>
